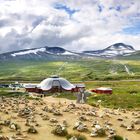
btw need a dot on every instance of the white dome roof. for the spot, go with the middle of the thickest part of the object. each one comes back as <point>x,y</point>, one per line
<point>48,83</point>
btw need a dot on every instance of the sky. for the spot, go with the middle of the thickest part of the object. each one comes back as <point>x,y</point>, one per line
<point>75,25</point>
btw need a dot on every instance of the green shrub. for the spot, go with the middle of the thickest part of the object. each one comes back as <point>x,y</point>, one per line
<point>101,132</point>
<point>78,136</point>
<point>133,92</point>
<point>117,137</point>
<point>58,131</point>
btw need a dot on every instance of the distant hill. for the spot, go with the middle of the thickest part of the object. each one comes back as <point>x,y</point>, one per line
<point>118,50</point>
<point>44,53</point>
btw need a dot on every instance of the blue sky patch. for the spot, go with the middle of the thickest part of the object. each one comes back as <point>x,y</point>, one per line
<point>117,8</point>
<point>100,8</point>
<point>133,30</point>
<point>67,9</point>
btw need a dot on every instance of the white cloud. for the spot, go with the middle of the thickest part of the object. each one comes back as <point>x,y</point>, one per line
<point>96,24</point>
<point>100,42</point>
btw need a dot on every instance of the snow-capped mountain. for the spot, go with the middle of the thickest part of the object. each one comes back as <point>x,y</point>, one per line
<point>57,53</point>
<point>118,49</point>
<point>45,53</point>
<point>48,50</point>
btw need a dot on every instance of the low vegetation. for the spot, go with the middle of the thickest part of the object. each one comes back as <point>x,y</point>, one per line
<point>82,70</point>
<point>126,94</point>
<point>117,100</point>
<point>76,136</point>
<point>117,137</point>
<point>9,93</point>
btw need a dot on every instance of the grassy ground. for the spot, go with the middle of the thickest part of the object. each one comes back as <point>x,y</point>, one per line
<point>72,70</point>
<point>71,96</point>
<point>8,93</point>
<point>126,94</point>
<point>117,101</point>
<point>86,70</point>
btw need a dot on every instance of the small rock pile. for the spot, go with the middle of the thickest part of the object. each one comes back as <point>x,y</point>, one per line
<point>98,131</point>
<point>81,127</point>
<point>25,112</point>
<point>60,130</point>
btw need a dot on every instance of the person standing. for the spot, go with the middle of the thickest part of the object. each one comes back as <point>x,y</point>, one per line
<point>81,97</point>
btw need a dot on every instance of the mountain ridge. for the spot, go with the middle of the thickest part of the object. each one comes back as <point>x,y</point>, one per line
<point>43,53</point>
<point>58,53</point>
<point>117,49</point>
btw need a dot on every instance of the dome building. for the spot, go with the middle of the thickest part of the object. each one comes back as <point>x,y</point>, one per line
<point>55,84</point>
<point>52,84</point>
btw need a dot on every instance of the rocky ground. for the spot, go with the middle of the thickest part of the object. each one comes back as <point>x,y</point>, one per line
<point>23,119</point>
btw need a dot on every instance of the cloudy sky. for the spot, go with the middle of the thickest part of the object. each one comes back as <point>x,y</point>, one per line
<point>72,24</point>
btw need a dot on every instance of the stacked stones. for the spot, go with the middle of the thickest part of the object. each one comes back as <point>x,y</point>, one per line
<point>89,120</point>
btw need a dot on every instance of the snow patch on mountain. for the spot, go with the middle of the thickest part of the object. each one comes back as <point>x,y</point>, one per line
<point>42,53</point>
<point>35,51</point>
<point>58,53</point>
<point>118,49</point>
<point>117,52</point>
<point>69,53</point>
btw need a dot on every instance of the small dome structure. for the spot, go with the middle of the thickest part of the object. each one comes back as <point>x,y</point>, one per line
<point>55,82</point>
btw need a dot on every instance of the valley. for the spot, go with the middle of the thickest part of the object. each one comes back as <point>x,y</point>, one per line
<point>122,75</point>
